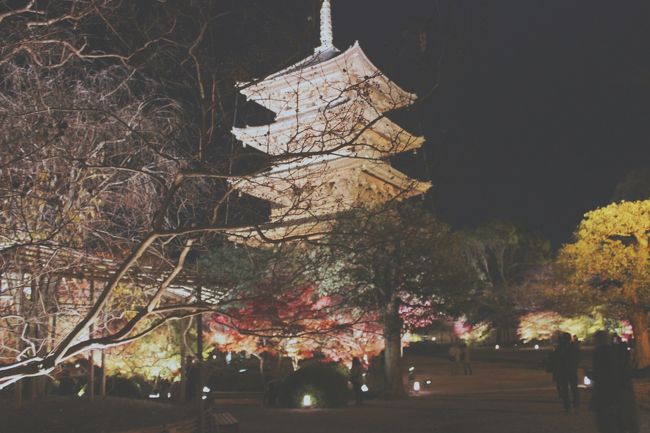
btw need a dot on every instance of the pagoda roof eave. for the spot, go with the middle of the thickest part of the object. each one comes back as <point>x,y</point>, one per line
<point>388,174</point>
<point>258,137</point>
<point>273,186</point>
<point>306,69</point>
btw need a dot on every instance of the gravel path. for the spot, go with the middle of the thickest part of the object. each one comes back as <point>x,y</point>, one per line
<point>498,398</point>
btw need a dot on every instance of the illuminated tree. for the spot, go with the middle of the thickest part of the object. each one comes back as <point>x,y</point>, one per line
<point>609,261</point>
<point>386,258</point>
<point>268,302</point>
<point>503,258</point>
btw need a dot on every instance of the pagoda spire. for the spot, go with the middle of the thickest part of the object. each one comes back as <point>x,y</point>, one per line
<point>326,33</point>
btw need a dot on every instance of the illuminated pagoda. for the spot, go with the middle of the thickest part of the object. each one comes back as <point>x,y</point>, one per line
<point>333,136</point>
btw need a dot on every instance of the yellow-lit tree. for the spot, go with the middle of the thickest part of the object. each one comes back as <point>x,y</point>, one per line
<point>609,261</point>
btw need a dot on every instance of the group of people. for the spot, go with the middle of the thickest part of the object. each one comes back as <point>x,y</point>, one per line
<point>613,400</point>
<point>460,354</point>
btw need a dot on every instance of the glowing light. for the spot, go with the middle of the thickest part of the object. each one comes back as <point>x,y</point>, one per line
<point>587,381</point>
<point>214,356</point>
<point>205,397</point>
<point>228,358</point>
<point>365,358</point>
<point>243,370</point>
<point>77,365</point>
<point>206,389</point>
<point>364,388</point>
<point>497,347</point>
<point>220,339</point>
<point>537,347</point>
<point>411,369</point>
<point>306,400</point>
<point>169,395</point>
<point>433,338</point>
<point>428,382</point>
<point>416,386</point>
<point>156,395</point>
<point>81,392</point>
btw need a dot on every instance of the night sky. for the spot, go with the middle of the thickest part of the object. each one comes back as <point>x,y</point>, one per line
<point>541,108</point>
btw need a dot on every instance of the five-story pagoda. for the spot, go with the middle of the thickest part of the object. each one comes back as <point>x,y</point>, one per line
<point>333,136</point>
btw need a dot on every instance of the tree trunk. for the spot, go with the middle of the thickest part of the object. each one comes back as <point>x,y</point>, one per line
<point>392,350</point>
<point>639,321</point>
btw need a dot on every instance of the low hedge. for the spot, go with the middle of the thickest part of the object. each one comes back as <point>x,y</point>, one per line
<point>326,383</point>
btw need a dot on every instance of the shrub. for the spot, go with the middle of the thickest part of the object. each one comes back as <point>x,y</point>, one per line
<point>326,383</point>
<point>117,386</point>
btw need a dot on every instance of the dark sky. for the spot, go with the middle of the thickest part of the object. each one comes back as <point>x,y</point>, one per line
<point>542,105</point>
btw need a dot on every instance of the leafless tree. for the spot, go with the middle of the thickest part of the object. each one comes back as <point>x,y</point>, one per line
<point>115,165</point>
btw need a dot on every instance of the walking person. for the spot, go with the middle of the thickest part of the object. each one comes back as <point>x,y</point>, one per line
<point>356,378</point>
<point>467,360</point>
<point>565,372</point>
<point>613,400</point>
<point>454,358</point>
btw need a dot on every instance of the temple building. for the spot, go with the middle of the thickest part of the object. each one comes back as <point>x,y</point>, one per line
<point>331,137</point>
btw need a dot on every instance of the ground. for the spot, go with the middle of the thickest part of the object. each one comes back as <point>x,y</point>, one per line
<point>509,392</point>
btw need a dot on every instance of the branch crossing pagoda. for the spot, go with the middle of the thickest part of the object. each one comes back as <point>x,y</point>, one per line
<point>332,136</point>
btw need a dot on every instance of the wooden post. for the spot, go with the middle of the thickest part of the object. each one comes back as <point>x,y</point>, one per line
<point>103,378</point>
<point>91,354</point>
<point>199,365</point>
<point>185,324</point>
<point>18,386</point>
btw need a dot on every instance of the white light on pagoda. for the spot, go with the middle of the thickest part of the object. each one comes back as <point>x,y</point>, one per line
<point>306,401</point>
<point>411,369</point>
<point>206,389</point>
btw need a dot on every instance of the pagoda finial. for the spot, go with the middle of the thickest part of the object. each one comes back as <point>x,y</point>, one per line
<point>326,34</point>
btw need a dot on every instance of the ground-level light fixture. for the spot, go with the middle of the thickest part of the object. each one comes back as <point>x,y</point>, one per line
<point>433,338</point>
<point>416,386</point>
<point>206,389</point>
<point>156,395</point>
<point>364,388</point>
<point>497,347</point>
<point>537,347</point>
<point>587,381</point>
<point>307,401</point>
